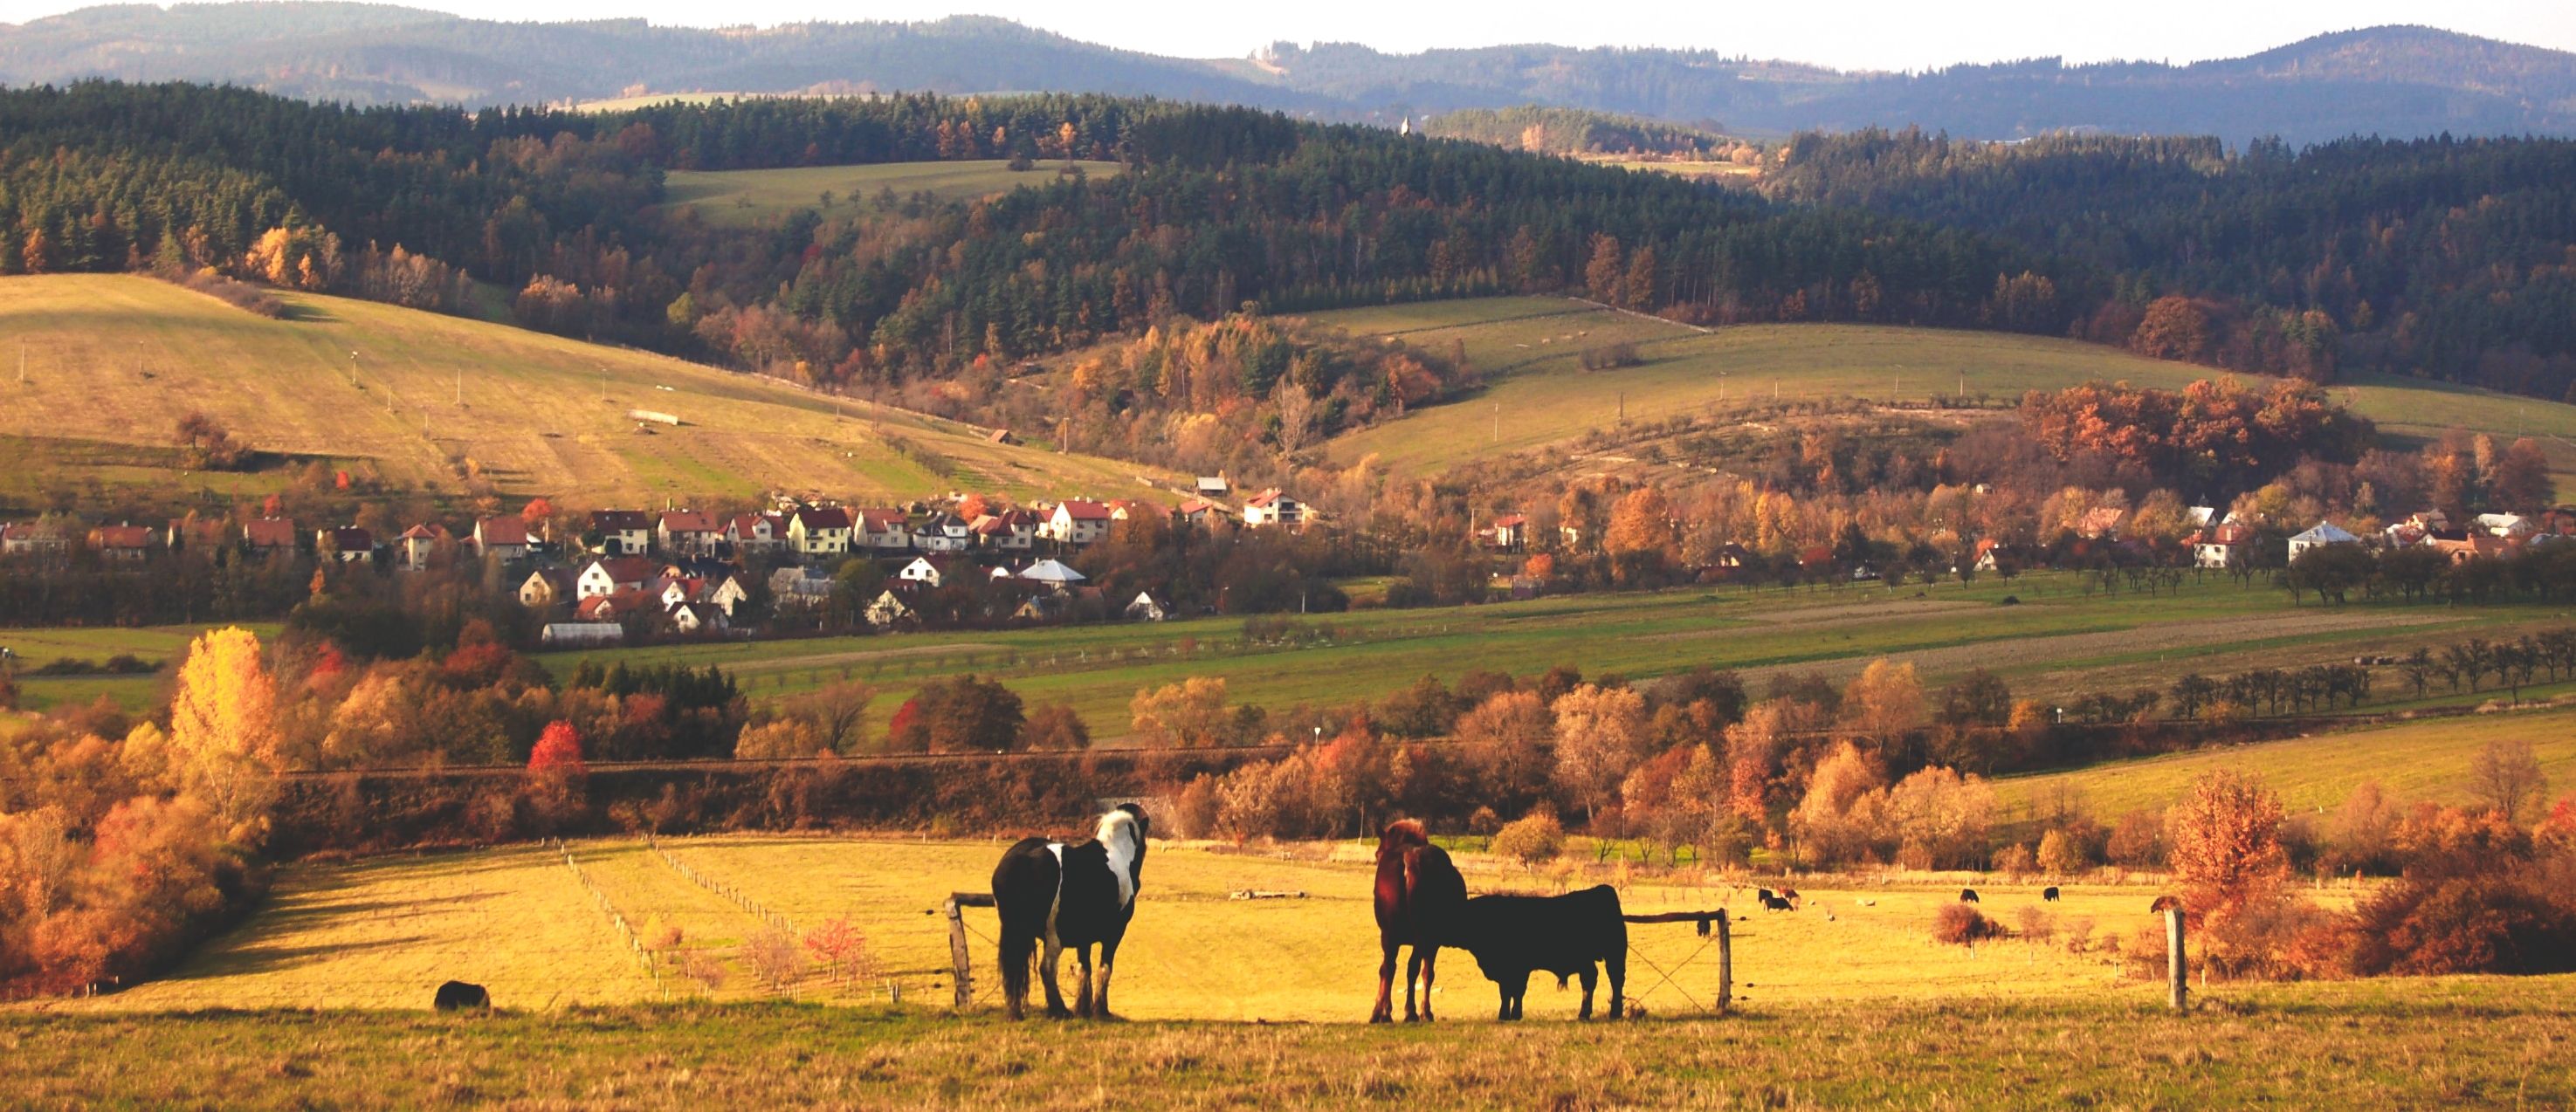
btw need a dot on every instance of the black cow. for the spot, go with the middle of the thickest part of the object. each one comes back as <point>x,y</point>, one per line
<point>1764,894</point>
<point>1967,895</point>
<point>2049,893</point>
<point>1568,935</point>
<point>457,996</point>
<point>1776,903</point>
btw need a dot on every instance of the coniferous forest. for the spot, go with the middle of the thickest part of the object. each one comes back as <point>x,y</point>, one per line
<point>2441,258</point>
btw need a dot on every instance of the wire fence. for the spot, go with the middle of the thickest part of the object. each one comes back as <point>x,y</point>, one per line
<point>644,955</point>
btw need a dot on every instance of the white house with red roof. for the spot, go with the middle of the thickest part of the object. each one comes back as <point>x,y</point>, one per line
<point>503,537</point>
<point>622,532</point>
<point>1271,507</point>
<point>1078,521</point>
<point>687,532</point>
<point>819,531</point>
<point>413,549</point>
<point>269,534</point>
<point>2226,546</point>
<point>608,575</point>
<point>884,531</point>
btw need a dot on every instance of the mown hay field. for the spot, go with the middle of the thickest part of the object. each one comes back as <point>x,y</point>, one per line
<point>383,933</point>
<point>1530,349</point>
<point>742,197</point>
<point>115,360</point>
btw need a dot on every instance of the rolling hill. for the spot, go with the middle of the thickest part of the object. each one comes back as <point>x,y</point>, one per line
<point>2396,81</point>
<point>113,361</point>
<point>1531,347</point>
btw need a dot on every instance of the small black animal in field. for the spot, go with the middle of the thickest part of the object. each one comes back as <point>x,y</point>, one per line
<point>1775,903</point>
<point>457,996</point>
<point>1967,895</point>
<point>1763,893</point>
<point>2049,894</point>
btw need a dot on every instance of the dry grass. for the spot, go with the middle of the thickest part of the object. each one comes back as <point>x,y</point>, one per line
<point>2476,1042</point>
<point>114,361</point>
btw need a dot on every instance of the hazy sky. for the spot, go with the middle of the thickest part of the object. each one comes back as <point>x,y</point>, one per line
<point>1878,34</point>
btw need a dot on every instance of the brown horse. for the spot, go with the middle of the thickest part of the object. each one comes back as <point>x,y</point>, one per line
<point>1419,898</point>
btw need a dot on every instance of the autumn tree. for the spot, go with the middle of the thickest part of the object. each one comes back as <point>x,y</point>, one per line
<point>2519,479</point>
<point>223,727</point>
<point>2223,842</point>
<point>1600,736</point>
<point>1515,735</point>
<point>1189,714</point>
<point>1531,838</point>
<point>558,751</point>
<point>1885,701</point>
<point>962,714</point>
<point>1831,823</point>
<point>2506,776</point>
<point>836,712</point>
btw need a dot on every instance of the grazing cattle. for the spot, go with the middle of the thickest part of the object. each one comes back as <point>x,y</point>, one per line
<point>1967,895</point>
<point>1764,894</point>
<point>2164,904</point>
<point>1076,895</point>
<point>1775,903</point>
<point>1568,935</point>
<point>1790,894</point>
<point>2049,893</point>
<point>457,996</point>
<point>1419,898</point>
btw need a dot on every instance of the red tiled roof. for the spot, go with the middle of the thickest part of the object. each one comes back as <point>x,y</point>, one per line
<point>122,536</point>
<point>353,539</point>
<point>1083,510</point>
<point>419,533</point>
<point>824,517</point>
<point>621,521</point>
<point>502,530</point>
<point>1510,521</point>
<point>269,532</point>
<point>688,521</point>
<point>1267,497</point>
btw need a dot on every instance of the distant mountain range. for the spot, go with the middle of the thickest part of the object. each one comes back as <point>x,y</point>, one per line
<point>2395,81</point>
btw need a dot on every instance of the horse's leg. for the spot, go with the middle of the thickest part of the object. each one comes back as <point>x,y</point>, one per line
<point>1082,1001</point>
<point>1412,973</point>
<point>1590,977</point>
<point>1055,996</point>
<point>1430,973</point>
<point>1108,961</point>
<point>1385,1009</point>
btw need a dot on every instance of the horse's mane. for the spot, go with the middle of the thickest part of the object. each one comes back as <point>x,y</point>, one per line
<point>1120,834</point>
<point>1402,833</point>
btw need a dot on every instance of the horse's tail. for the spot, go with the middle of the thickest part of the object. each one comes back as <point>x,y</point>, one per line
<point>1024,887</point>
<point>1019,949</point>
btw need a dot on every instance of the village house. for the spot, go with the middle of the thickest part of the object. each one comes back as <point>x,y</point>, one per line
<point>2227,546</point>
<point>2101,523</point>
<point>699,617</point>
<point>1129,509</point>
<point>608,575</point>
<point>121,544</point>
<point>883,531</point>
<point>1270,507</point>
<point>1010,530</point>
<point>1213,487</point>
<point>891,610</point>
<point>673,590</point>
<point>30,538</point>
<point>1078,521</point>
<point>612,607</point>
<point>351,545</point>
<point>1508,533</point>
<point>2511,527</point>
<point>2460,546</point>
<point>753,534</point>
<point>726,594</point>
<point>413,549</point>
<point>944,532</point>
<point>622,532</point>
<point>799,588</point>
<point>930,571</point>
<point>2323,534</point>
<point>501,538</point>
<point>1203,514</point>
<point>269,535</point>
<point>1148,607</point>
<point>546,587</point>
<point>1053,573</point>
<point>686,533</point>
<point>819,531</point>
<point>1990,554</point>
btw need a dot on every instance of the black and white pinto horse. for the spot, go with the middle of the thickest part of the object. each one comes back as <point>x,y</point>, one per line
<point>1075,895</point>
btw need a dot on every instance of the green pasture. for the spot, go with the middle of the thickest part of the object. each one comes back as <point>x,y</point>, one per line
<point>2058,641</point>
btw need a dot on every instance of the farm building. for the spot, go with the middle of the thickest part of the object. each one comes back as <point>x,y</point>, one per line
<point>583,633</point>
<point>2325,533</point>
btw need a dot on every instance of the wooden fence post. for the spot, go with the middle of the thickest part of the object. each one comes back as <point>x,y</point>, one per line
<point>964,978</point>
<point>2177,983</point>
<point>1725,965</point>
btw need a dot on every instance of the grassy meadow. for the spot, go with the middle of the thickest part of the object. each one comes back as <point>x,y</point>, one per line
<point>1530,349</point>
<point>382,933</point>
<point>115,360</point>
<point>2426,759</point>
<point>744,197</point>
<point>2056,641</point>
